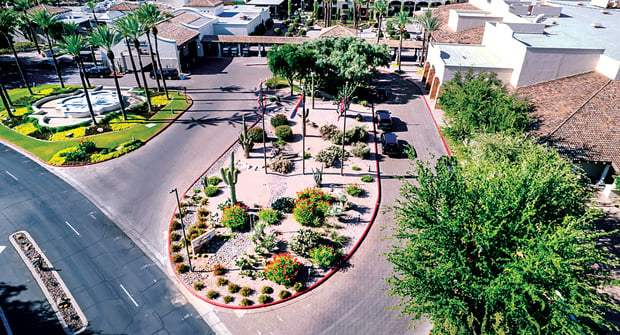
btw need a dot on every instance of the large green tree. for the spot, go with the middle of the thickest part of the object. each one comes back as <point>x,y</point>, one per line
<point>502,243</point>
<point>481,103</point>
<point>290,61</point>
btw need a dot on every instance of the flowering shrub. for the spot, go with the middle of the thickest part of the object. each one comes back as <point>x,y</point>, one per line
<point>159,100</point>
<point>282,269</point>
<point>354,190</point>
<point>270,216</point>
<point>311,205</point>
<point>305,240</point>
<point>235,217</point>
<point>323,256</point>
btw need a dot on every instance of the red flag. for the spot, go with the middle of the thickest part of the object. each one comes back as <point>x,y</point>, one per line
<point>299,103</point>
<point>341,108</point>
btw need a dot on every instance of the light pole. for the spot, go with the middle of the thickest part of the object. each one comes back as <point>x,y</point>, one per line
<point>261,105</point>
<point>312,76</point>
<point>344,128</point>
<point>189,258</point>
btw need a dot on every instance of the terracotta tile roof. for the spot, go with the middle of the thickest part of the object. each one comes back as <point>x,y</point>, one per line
<point>124,7</point>
<point>254,39</point>
<point>51,9</point>
<point>184,17</point>
<point>174,31</point>
<point>446,35</point>
<point>579,116</point>
<point>204,3</point>
<point>338,31</point>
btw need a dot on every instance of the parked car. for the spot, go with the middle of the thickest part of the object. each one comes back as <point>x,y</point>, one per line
<point>389,144</point>
<point>98,72</point>
<point>49,62</point>
<point>168,72</point>
<point>381,94</point>
<point>383,119</point>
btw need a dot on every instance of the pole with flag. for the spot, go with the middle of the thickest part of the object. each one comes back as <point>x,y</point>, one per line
<point>261,107</point>
<point>304,114</point>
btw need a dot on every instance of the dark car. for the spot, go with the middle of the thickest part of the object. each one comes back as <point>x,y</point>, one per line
<point>168,72</point>
<point>389,144</point>
<point>383,119</point>
<point>381,94</point>
<point>49,62</point>
<point>98,72</point>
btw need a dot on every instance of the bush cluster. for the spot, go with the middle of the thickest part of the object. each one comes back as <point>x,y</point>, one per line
<point>367,178</point>
<point>354,190</point>
<point>283,269</point>
<point>233,288</point>
<point>256,134</point>
<point>270,216</point>
<point>211,190</point>
<point>284,132</point>
<point>212,294</point>
<point>219,269</point>
<point>329,155</point>
<point>263,299</point>
<point>304,241</point>
<point>355,134</point>
<point>279,120</point>
<point>281,164</point>
<point>235,217</point>
<point>284,204</point>
<point>323,256</point>
<point>228,299</point>
<point>360,150</point>
<point>310,207</point>
<point>327,131</point>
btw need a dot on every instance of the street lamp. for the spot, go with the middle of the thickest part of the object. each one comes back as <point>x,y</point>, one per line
<point>312,74</point>
<point>189,258</point>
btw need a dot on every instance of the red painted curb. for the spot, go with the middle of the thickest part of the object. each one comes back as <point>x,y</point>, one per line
<point>328,275</point>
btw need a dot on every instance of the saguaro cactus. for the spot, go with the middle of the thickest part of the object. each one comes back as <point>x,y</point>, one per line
<point>245,140</point>
<point>318,176</point>
<point>229,175</point>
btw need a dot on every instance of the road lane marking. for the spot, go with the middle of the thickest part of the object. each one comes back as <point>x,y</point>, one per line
<point>129,295</point>
<point>2,247</point>
<point>10,174</point>
<point>92,215</point>
<point>279,318</point>
<point>70,226</point>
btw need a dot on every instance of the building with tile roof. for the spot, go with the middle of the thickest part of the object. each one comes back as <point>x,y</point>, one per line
<point>51,9</point>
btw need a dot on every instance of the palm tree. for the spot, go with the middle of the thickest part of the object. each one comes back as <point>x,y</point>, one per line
<point>71,28</point>
<point>357,8</point>
<point>401,20</point>
<point>25,22</point>
<point>5,100</point>
<point>7,30</point>
<point>131,27</point>
<point>430,25</point>
<point>150,15</point>
<point>92,5</point>
<point>123,27</point>
<point>102,36</point>
<point>73,44</point>
<point>379,8</point>
<point>46,22</point>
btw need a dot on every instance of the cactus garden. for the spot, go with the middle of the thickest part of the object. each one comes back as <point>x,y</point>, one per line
<point>255,237</point>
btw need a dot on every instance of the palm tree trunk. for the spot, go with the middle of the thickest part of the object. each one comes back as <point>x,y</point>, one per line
<point>118,87</point>
<point>400,47</point>
<point>161,69</point>
<point>49,43</point>
<point>379,28</point>
<point>19,67</point>
<point>92,53</point>
<point>86,94</point>
<point>133,63</point>
<point>82,63</point>
<point>354,18</point>
<point>34,36</point>
<point>153,63</point>
<point>136,44</point>
<point>5,101</point>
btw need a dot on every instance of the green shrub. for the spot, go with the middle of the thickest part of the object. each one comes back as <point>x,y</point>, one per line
<point>327,131</point>
<point>367,178</point>
<point>198,286</point>
<point>177,258</point>
<point>233,288</point>
<point>182,268</point>
<point>277,31</point>
<point>302,32</point>
<point>360,150</point>
<point>175,225</point>
<point>356,168</point>
<point>221,281</point>
<point>270,216</point>
<point>284,204</point>
<point>256,134</point>
<point>219,269</point>
<point>235,217</point>
<point>266,290</point>
<point>246,302</point>
<point>298,287</point>
<point>323,256</point>
<point>175,247</point>
<point>174,237</point>
<point>212,294</point>
<point>284,132</point>
<point>228,299</point>
<point>329,155</point>
<point>245,291</point>
<point>281,164</point>
<point>356,134</point>
<point>214,180</point>
<point>288,34</point>
<point>211,190</point>
<point>310,207</point>
<point>279,120</point>
<point>264,299</point>
<point>304,241</point>
<point>284,294</point>
<point>354,190</point>
<point>282,269</point>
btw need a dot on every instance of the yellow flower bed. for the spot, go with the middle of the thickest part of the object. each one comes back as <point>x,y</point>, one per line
<point>25,128</point>
<point>118,123</point>
<point>160,100</point>
<point>57,159</point>
<point>46,91</point>
<point>77,132</point>
<point>21,111</point>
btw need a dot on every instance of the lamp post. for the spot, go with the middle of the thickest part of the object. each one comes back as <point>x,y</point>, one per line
<point>312,76</point>
<point>189,258</point>
<point>261,105</point>
<point>344,128</point>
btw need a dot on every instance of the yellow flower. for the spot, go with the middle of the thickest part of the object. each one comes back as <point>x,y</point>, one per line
<point>25,128</point>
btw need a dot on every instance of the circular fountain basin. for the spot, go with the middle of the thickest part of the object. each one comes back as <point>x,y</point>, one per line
<point>103,101</point>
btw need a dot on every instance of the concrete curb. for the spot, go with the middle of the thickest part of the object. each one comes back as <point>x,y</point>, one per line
<point>43,287</point>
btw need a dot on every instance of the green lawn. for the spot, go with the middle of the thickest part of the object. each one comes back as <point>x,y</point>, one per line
<point>46,149</point>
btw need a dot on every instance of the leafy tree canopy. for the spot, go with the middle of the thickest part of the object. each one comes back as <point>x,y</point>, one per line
<point>502,243</point>
<point>291,62</point>
<point>480,103</point>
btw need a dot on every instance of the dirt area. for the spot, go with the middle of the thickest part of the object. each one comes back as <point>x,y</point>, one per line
<point>258,190</point>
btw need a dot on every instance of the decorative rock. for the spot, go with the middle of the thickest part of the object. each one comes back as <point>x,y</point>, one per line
<point>69,135</point>
<point>100,130</point>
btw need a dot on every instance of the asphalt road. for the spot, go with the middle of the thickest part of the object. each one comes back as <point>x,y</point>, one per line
<point>115,283</point>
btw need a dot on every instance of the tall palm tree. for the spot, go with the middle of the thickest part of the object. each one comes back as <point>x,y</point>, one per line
<point>92,5</point>
<point>71,28</point>
<point>7,30</point>
<point>150,16</point>
<point>46,22</point>
<point>5,100</point>
<point>357,8</point>
<point>430,24</point>
<point>25,22</point>
<point>379,8</point>
<point>102,36</point>
<point>73,44</point>
<point>133,30</point>
<point>123,27</point>
<point>401,21</point>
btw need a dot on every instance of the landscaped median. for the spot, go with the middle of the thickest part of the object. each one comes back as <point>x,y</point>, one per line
<point>85,143</point>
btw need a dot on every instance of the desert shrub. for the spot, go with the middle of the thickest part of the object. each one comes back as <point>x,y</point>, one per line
<point>304,241</point>
<point>279,120</point>
<point>323,256</point>
<point>354,190</point>
<point>310,207</point>
<point>235,217</point>
<point>175,247</point>
<point>212,294</point>
<point>284,132</point>
<point>228,299</point>
<point>175,225</point>
<point>214,180</point>
<point>263,299</point>
<point>270,216</point>
<point>284,204</point>
<point>198,286</point>
<point>284,294</point>
<point>174,237</point>
<point>211,190</point>
<point>221,281</point>
<point>177,258</point>
<point>301,32</point>
<point>329,155</point>
<point>327,131</point>
<point>356,134</point>
<point>367,178</point>
<point>277,30</point>
<point>356,168</point>
<point>282,269</point>
<point>233,288</point>
<point>281,164</point>
<point>246,302</point>
<point>256,134</point>
<point>360,149</point>
<point>298,287</point>
<point>266,290</point>
<point>219,269</point>
<point>288,34</point>
<point>245,291</point>
<point>182,268</point>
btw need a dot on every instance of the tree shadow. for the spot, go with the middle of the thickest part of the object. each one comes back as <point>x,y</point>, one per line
<point>27,317</point>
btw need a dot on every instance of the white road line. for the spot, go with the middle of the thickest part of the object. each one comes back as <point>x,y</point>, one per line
<point>10,174</point>
<point>129,295</point>
<point>92,216</point>
<point>279,318</point>
<point>2,247</point>
<point>70,226</point>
